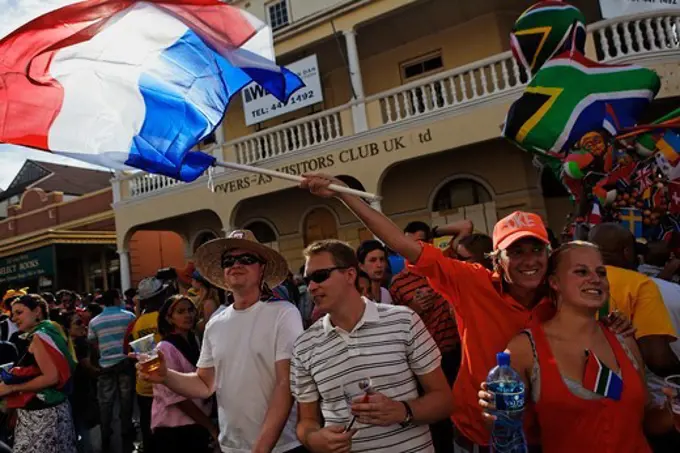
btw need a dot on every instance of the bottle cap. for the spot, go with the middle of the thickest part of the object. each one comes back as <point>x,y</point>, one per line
<point>503,359</point>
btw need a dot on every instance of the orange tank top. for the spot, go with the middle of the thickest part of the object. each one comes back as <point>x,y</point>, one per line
<point>571,424</point>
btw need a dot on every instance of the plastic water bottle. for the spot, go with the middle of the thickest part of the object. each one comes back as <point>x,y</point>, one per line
<point>506,384</point>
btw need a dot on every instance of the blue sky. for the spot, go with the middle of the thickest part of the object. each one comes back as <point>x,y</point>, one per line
<point>14,14</point>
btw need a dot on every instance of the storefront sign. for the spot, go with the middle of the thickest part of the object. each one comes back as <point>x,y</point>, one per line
<point>327,161</point>
<point>617,8</point>
<point>260,106</point>
<point>27,266</point>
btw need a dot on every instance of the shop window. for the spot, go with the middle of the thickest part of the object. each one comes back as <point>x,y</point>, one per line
<point>278,14</point>
<point>460,193</point>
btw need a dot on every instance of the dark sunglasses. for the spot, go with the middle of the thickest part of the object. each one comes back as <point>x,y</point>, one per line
<point>246,260</point>
<point>78,322</point>
<point>321,275</point>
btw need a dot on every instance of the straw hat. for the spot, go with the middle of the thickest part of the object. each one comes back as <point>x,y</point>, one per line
<point>208,258</point>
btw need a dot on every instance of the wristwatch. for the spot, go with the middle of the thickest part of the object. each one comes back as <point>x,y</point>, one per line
<point>409,415</point>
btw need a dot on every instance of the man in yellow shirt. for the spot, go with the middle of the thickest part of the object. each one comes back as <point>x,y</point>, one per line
<point>636,296</point>
<point>152,293</point>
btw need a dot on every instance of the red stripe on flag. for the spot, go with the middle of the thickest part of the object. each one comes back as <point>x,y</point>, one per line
<point>59,361</point>
<point>30,98</point>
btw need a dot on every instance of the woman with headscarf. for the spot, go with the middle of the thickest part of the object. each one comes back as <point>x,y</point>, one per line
<point>39,383</point>
<point>179,424</point>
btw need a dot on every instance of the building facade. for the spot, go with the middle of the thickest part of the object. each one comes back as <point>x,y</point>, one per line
<point>58,232</point>
<point>405,99</point>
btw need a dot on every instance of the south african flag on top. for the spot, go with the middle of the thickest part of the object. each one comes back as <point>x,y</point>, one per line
<point>571,96</point>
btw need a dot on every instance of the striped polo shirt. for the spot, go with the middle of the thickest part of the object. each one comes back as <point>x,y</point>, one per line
<point>108,330</point>
<point>438,319</point>
<point>391,346</point>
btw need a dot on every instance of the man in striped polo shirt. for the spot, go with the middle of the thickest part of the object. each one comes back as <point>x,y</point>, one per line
<point>359,339</point>
<point>107,335</point>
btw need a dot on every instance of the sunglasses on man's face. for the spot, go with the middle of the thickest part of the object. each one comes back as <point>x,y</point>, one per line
<point>246,260</point>
<point>320,275</point>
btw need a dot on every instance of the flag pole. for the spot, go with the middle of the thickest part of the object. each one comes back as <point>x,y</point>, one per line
<point>295,178</point>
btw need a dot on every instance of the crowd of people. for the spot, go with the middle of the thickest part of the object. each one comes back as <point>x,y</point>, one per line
<point>380,349</point>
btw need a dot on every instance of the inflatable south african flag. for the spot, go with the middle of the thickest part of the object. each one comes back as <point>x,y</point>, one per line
<point>572,95</point>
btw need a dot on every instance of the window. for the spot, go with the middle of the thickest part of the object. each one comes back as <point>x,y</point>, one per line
<point>263,232</point>
<point>203,238</point>
<point>421,66</point>
<point>278,14</point>
<point>459,193</point>
<point>428,97</point>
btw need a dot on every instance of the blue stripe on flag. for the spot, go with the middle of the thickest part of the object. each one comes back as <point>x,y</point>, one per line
<point>591,118</point>
<point>186,93</point>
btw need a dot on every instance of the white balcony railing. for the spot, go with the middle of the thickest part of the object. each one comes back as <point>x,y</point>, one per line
<point>631,38</point>
<point>463,85</point>
<point>144,183</point>
<point>648,33</point>
<point>294,136</point>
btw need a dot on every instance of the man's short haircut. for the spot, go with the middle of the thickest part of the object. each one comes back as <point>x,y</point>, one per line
<point>414,227</point>
<point>342,253</point>
<point>109,297</point>
<point>367,247</point>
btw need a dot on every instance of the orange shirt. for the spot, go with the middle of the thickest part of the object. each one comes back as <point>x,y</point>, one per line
<point>487,320</point>
<point>438,319</point>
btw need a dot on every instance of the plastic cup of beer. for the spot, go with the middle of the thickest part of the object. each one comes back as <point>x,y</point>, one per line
<point>147,355</point>
<point>673,382</point>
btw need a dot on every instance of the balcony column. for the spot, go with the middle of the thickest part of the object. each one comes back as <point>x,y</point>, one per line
<point>125,280</point>
<point>358,111</point>
<point>115,184</point>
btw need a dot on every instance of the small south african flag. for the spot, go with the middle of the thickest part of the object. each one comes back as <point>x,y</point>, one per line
<point>600,379</point>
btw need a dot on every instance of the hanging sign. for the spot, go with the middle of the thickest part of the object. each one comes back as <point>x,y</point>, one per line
<point>617,8</point>
<point>260,106</point>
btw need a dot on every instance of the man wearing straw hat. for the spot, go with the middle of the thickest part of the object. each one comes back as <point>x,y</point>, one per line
<point>246,350</point>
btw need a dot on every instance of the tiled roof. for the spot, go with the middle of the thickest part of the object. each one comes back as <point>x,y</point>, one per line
<point>73,180</point>
<point>52,177</point>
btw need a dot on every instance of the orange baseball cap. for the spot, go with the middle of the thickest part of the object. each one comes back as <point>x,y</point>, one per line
<point>516,226</point>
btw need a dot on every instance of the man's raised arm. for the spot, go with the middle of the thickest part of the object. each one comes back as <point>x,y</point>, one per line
<point>382,227</point>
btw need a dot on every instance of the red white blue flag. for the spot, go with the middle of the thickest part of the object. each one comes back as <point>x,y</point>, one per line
<point>125,83</point>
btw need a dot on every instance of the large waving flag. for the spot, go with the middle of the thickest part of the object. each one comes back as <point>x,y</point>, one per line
<point>126,83</point>
<point>571,96</point>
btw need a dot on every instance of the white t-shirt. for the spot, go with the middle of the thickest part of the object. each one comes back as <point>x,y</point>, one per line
<point>243,346</point>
